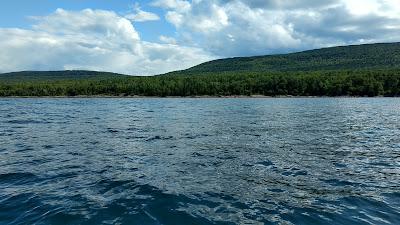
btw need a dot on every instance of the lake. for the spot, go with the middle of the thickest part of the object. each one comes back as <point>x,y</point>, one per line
<point>200,161</point>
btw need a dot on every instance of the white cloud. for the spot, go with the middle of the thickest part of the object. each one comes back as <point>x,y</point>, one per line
<point>174,18</point>
<point>256,27</point>
<point>168,40</point>
<point>90,39</point>
<point>179,5</point>
<point>361,7</point>
<point>384,8</point>
<point>141,16</point>
<point>104,40</point>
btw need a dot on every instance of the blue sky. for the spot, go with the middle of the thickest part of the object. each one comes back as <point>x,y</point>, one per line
<point>158,36</point>
<point>16,13</point>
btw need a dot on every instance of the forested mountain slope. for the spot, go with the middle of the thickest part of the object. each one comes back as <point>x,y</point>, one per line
<point>31,76</point>
<point>364,70</point>
<point>370,56</point>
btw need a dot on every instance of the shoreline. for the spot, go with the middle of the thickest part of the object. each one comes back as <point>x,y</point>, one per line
<point>185,97</point>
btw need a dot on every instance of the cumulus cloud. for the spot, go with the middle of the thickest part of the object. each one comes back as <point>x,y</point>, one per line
<point>90,39</point>
<point>180,5</point>
<point>205,30</point>
<point>256,27</point>
<point>288,4</point>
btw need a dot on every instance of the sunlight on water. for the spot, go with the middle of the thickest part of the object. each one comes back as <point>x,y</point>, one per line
<point>200,161</point>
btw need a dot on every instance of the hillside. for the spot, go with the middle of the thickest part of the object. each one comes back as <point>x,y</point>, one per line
<point>370,56</point>
<point>32,76</point>
<point>356,57</point>
<point>364,70</point>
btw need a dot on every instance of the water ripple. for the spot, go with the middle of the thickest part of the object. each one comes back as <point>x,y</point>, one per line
<point>199,161</point>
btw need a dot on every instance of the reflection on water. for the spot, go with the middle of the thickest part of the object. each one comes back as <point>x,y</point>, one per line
<point>199,161</point>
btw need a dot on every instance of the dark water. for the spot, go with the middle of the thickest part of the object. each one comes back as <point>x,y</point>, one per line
<point>199,161</point>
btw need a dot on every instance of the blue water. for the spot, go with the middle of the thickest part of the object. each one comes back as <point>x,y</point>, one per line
<point>200,161</point>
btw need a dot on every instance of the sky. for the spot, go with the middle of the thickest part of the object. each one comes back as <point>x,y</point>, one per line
<point>157,36</point>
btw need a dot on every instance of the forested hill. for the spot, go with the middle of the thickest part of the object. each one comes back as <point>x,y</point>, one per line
<point>370,56</point>
<point>31,76</point>
<point>355,57</point>
<point>365,70</point>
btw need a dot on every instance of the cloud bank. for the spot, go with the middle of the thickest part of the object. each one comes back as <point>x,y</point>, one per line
<point>254,27</point>
<point>91,40</point>
<point>205,30</point>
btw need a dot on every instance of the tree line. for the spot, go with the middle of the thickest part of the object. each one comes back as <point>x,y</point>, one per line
<point>323,83</point>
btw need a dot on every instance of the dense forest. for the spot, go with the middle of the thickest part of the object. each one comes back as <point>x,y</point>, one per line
<point>33,76</point>
<point>324,72</point>
<point>334,83</point>
<point>370,56</point>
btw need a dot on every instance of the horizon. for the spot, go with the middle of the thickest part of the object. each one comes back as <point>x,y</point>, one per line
<point>150,75</point>
<point>155,37</point>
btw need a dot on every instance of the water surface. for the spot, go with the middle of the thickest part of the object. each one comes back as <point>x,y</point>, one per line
<point>200,161</point>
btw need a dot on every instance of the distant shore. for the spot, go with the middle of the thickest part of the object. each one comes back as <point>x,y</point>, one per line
<point>221,85</point>
<point>193,97</point>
